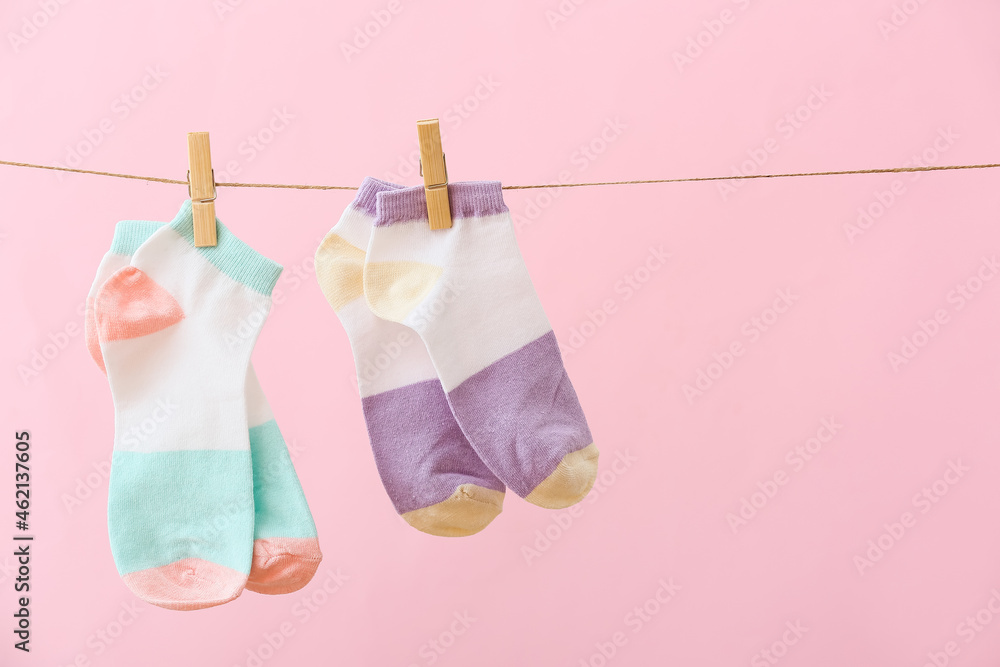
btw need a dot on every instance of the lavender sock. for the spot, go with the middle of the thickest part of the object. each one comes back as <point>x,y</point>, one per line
<point>434,478</point>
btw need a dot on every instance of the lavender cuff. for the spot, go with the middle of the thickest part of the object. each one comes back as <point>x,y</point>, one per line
<point>471,199</point>
<point>364,200</point>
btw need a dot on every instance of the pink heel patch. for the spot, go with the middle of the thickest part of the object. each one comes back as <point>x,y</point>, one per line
<point>131,304</point>
<point>90,334</point>
<point>190,583</point>
<point>283,564</point>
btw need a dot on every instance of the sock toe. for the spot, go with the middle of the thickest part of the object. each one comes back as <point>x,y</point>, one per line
<point>283,564</point>
<point>570,482</point>
<point>465,512</point>
<point>190,583</point>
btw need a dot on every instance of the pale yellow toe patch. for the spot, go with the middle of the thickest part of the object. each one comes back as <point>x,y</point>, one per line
<point>394,289</point>
<point>340,269</point>
<point>570,482</point>
<point>465,512</point>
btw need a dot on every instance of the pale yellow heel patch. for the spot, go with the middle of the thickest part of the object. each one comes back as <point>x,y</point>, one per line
<point>465,512</point>
<point>570,482</point>
<point>340,271</point>
<point>394,289</point>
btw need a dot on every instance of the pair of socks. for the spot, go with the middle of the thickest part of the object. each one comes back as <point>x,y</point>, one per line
<point>203,499</point>
<point>463,388</point>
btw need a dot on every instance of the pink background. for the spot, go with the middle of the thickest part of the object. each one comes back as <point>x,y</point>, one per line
<point>886,96</point>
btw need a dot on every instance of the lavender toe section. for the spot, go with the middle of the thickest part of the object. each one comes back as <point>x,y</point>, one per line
<point>421,453</point>
<point>522,415</point>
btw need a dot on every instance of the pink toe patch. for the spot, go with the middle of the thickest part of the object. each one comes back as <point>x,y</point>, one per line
<point>131,304</point>
<point>190,583</point>
<point>283,564</point>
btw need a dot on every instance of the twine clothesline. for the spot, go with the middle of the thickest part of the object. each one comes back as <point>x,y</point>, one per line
<point>736,177</point>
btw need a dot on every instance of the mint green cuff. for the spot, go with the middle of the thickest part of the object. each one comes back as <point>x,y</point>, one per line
<point>230,255</point>
<point>130,234</point>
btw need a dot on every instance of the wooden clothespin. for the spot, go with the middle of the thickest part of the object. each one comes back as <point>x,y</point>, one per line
<point>435,173</point>
<point>201,189</point>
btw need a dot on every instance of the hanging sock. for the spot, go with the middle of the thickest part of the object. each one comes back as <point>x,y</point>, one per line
<point>433,477</point>
<point>180,497</point>
<point>286,551</point>
<point>467,292</point>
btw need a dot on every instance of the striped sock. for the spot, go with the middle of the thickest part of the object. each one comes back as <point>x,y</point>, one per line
<point>433,477</point>
<point>286,551</point>
<point>181,507</point>
<point>466,291</point>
